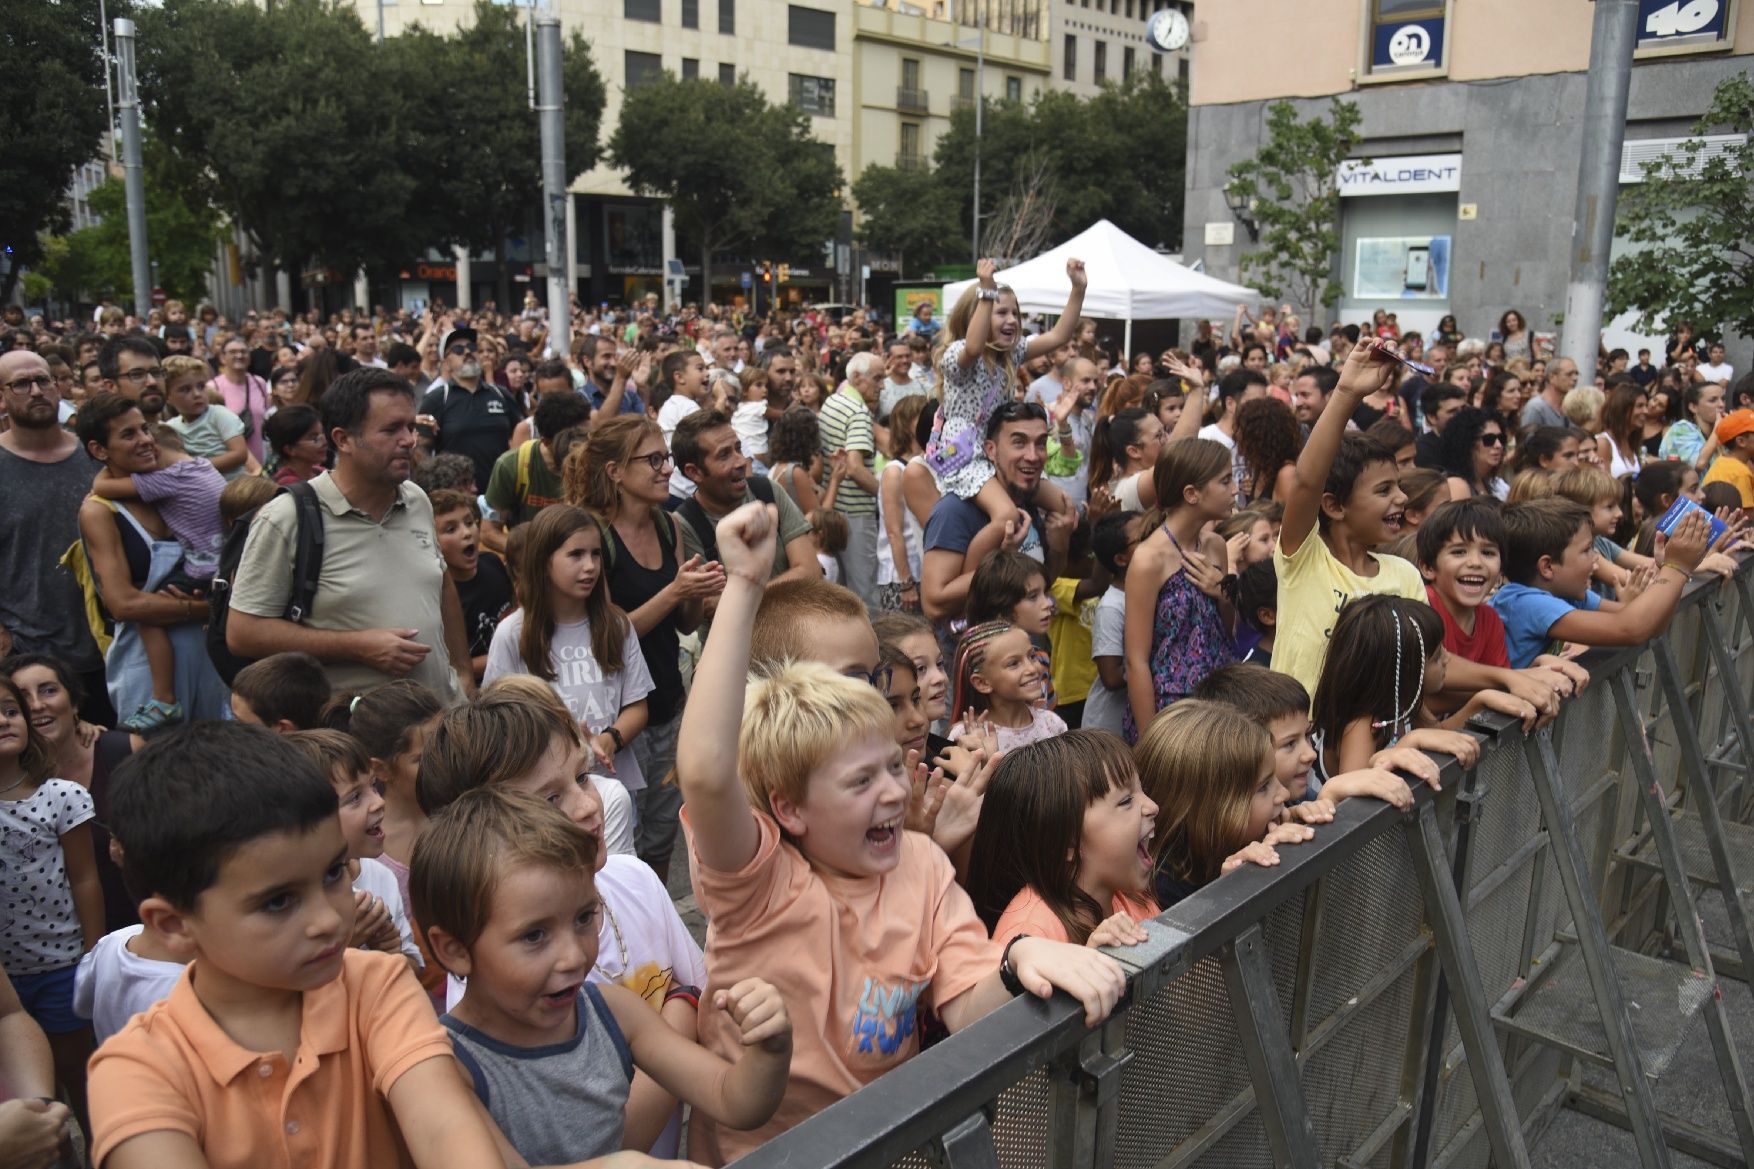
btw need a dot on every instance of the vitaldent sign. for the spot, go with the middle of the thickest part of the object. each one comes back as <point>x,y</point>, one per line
<point>1412,174</point>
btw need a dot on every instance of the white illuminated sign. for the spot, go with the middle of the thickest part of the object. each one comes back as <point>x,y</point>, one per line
<point>1413,174</point>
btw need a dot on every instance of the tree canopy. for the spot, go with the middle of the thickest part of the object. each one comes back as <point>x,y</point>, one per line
<point>50,122</point>
<point>1292,186</point>
<point>1046,151</point>
<point>741,173</point>
<point>1693,217</point>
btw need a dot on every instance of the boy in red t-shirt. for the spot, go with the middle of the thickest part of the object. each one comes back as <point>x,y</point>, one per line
<point>1460,548</point>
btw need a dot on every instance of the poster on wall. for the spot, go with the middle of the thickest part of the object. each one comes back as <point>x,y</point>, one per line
<point>908,299</point>
<point>1405,267</point>
<point>1682,24</point>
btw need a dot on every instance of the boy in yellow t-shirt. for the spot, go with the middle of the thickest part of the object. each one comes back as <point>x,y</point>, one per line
<point>1346,496</point>
<point>1075,598</point>
<point>1735,464</point>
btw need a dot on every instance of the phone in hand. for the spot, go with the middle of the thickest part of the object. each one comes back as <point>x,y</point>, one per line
<point>1380,353</point>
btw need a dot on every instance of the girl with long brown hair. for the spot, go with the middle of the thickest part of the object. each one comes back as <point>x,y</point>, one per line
<point>568,632</point>
<point>621,475</point>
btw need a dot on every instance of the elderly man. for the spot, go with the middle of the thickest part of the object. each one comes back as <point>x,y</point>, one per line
<point>385,607</point>
<point>847,429</point>
<point>44,475</point>
<point>469,416</point>
<point>898,380</point>
<point>1546,408</point>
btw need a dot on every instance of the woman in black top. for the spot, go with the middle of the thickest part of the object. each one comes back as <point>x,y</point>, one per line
<point>621,474</point>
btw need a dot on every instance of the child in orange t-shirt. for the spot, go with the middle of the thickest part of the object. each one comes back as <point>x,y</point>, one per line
<point>1076,795</point>
<point>795,797</point>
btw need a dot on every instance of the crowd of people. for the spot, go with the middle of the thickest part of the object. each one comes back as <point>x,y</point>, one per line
<point>361,678</point>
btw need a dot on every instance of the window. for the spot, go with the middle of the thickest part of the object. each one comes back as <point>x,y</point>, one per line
<point>1406,36</point>
<point>908,157</point>
<point>1127,62</point>
<point>1013,89</point>
<point>641,68</point>
<point>910,73</point>
<point>650,11</point>
<point>965,84</point>
<point>1099,68</point>
<point>1071,65</point>
<point>727,75</point>
<point>809,28</point>
<point>690,13</point>
<point>813,95</point>
<point>1129,9</point>
<point>728,17</point>
<point>690,69</point>
<point>1157,64</point>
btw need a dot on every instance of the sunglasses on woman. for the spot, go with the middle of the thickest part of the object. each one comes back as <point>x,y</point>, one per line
<point>1492,438</point>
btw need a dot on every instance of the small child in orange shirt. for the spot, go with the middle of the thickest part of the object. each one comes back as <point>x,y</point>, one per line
<point>795,796</point>
<point>1075,795</point>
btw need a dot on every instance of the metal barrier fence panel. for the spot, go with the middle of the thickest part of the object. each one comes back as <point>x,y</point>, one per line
<point>1303,1016</point>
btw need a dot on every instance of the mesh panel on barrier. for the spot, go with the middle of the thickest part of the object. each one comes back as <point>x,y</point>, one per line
<point>1354,1080</point>
<point>1373,910</point>
<point>1020,1129</point>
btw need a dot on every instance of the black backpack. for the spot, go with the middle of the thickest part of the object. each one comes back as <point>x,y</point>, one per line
<point>706,527</point>
<point>307,567</point>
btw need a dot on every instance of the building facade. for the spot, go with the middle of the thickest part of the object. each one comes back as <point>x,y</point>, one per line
<point>1098,42</point>
<point>1472,125</point>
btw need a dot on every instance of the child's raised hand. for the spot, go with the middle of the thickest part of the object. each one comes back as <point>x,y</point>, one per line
<point>1363,374</point>
<point>746,541</point>
<point>1094,979</point>
<point>758,1010</point>
<point>1233,550</point>
<point>1687,542</point>
<point>1119,930</point>
<point>1415,763</point>
<point>1076,273</point>
<point>1317,811</point>
<point>1465,748</point>
<point>960,809</point>
<point>1187,372</point>
<point>984,269</point>
<point>925,794</point>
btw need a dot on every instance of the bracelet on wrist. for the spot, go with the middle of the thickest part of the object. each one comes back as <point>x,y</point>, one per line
<point>1678,567</point>
<point>614,732</point>
<point>1007,975</point>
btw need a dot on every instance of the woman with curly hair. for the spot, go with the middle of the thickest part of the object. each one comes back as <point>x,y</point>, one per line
<point>1268,439</point>
<point>1503,398</point>
<point>794,451</point>
<point>1472,452</point>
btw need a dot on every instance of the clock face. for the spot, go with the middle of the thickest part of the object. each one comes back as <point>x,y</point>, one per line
<point>1168,30</point>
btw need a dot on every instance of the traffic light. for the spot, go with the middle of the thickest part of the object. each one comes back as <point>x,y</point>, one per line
<point>767,274</point>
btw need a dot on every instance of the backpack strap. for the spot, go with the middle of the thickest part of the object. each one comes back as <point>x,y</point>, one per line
<point>526,454</point>
<point>702,525</point>
<point>307,556</point>
<point>761,487</point>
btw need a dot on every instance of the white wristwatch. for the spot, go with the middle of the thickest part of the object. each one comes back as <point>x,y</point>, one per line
<point>986,294</point>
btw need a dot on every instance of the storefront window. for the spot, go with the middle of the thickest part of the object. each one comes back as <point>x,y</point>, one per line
<point>1406,36</point>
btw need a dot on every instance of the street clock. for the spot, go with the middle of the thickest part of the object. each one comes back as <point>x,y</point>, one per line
<point>1167,31</point>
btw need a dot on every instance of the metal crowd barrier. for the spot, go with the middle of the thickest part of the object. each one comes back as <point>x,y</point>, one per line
<point>1410,989</point>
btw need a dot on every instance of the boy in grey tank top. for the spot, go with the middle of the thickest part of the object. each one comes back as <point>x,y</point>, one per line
<point>502,882</point>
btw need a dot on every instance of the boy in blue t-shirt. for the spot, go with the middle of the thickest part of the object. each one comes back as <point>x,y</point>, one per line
<point>1549,557</point>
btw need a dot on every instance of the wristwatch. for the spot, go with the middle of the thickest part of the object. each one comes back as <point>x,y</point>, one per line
<point>1007,976</point>
<point>614,733</point>
<point>986,294</point>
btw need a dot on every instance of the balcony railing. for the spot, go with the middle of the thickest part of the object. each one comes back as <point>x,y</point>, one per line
<point>912,100</point>
<point>962,101</point>
<point>905,161</point>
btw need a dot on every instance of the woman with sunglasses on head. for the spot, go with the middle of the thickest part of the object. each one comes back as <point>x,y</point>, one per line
<point>1472,452</point>
<point>621,475</point>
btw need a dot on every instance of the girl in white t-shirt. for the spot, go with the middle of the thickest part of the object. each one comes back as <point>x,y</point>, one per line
<point>570,634</point>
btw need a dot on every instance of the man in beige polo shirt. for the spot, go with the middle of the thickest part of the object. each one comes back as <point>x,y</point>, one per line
<point>385,607</point>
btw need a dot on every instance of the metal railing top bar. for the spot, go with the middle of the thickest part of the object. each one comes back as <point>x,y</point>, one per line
<point>920,1100</point>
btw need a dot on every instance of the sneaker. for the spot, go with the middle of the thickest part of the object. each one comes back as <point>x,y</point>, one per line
<point>153,717</point>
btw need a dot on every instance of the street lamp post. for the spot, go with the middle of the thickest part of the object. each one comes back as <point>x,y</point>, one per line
<point>980,79</point>
<point>133,176</point>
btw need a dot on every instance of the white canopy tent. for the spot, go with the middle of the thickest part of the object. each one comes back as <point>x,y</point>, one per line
<point>1128,282</point>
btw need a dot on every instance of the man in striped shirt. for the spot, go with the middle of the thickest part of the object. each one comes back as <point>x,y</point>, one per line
<point>846,423</point>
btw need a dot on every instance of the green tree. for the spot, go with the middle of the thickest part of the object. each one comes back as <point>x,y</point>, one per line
<point>181,237</point>
<point>285,119</point>
<point>488,180</point>
<point>1694,214</point>
<point>910,214</point>
<point>51,122</point>
<point>1292,186</point>
<point>739,172</point>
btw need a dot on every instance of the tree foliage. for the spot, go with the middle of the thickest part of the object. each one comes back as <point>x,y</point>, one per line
<point>907,213</point>
<point>1292,183</point>
<point>742,174</point>
<point>51,120</point>
<point>329,149</point>
<point>182,238</point>
<point>1119,155</point>
<point>1694,217</point>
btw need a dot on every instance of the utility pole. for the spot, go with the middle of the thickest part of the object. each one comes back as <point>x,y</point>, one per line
<point>133,176</point>
<point>1612,40</point>
<point>551,109</point>
<point>980,82</point>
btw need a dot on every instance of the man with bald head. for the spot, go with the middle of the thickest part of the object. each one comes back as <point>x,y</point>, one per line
<point>44,475</point>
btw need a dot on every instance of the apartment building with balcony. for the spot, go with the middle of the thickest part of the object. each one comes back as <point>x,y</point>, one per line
<point>1100,42</point>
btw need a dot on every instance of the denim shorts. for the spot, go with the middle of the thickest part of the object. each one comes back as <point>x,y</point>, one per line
<point>49,999</point>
